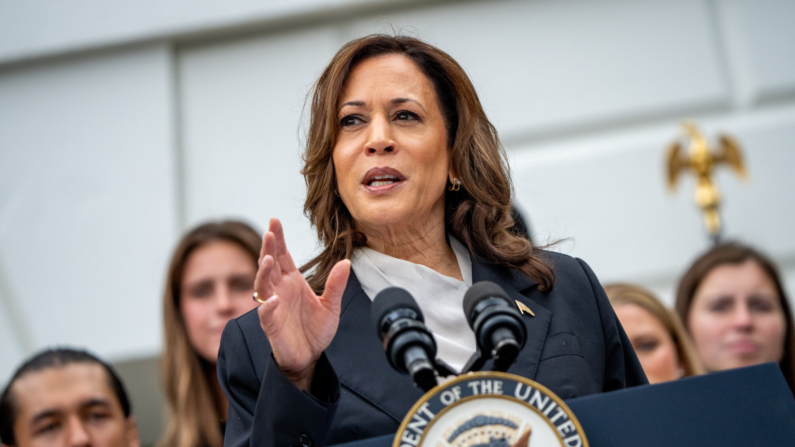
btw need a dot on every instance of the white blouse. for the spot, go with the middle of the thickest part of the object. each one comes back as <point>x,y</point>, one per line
<point>440,297</point>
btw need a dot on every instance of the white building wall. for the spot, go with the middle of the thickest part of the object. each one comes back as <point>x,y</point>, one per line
<point>545,68</point>
<point>38,28</point>
<point>87,210</point>
<point>241,105</point>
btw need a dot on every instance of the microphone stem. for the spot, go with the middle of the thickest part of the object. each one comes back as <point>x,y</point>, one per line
<point>506,349</point>
<point>420,368</point>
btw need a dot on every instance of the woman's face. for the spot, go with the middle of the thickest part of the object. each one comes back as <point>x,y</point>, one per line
<point>391,159</point>
<point>736,318</point>
<point>217,285</point>
<point>653,344</point>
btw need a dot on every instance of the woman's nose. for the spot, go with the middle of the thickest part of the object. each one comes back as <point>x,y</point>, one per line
<point>742,319</point>
<point>223,301</point>
<point>379,138</point>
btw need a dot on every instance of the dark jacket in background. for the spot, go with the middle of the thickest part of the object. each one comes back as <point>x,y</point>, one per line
<point>575,347</point>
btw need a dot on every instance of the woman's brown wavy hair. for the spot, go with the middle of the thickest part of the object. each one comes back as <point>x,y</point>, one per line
<point>194,411</point>
<point>479,214</point>
<point>734,253</point>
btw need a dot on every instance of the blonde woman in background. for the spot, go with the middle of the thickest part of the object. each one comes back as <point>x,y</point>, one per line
<point>210,281</point>
<point>663,347</point>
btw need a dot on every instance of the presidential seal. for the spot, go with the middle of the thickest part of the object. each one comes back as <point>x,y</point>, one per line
<point>490,409</point>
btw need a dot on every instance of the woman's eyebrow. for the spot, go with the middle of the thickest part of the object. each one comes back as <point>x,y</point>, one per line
<point>405,100</point>
<point>199,284</point>
<point>353,103</point>
<point>241,277</point>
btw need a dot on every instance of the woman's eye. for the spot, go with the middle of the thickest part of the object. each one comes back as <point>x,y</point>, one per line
<point>647,346</point>
<point>721,305</point>
<point>761,304</point>
<point>241,285</point>
<point>350,120</point>
<point>202,291</point>
<point>405,115</point>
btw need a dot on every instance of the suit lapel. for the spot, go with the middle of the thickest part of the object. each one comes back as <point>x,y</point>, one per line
<point>514,284</point>
<point>357,344</point>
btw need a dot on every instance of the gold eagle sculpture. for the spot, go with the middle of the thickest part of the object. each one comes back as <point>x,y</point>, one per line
<point>702,161</point>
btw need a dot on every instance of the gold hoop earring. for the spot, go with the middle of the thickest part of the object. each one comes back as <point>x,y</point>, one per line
<point>455,186</point>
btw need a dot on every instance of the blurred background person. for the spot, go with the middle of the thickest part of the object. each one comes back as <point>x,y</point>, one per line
<point>661,343</point>
<point>732,302</point>
<point>210,281</point>
<point>66,397</point>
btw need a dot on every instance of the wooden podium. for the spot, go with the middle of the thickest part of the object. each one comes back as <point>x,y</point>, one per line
<point>742,407</point>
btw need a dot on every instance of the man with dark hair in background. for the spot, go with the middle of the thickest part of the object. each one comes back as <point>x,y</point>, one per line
<point>65,397</point>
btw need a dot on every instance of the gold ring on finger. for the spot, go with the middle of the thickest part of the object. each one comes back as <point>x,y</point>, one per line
<point>258,299</point>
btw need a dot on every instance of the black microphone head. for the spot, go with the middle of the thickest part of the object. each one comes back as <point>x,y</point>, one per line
<point>390,299</point>
<point>409,345</point>
<point>476,293</point>
<point>500,331</point>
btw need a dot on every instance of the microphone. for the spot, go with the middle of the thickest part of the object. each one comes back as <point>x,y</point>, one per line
<point>409,345</point>
<point>499,329</point>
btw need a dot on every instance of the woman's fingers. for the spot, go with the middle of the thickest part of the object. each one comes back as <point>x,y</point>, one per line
<point>336,283</point>
<point>262,252</point>
<point>282,255</point>
<point>263,283</point>
<point>275,276</point>
<point>266,311</point>
<point>269,244</point>
<point>275,227</point>
<point>270,249</point>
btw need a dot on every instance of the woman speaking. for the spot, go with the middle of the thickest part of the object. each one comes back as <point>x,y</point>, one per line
<point>408,186</point>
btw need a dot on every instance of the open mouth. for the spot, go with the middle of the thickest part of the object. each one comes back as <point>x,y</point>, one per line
<point>382,177</point>
<point>383,180</point>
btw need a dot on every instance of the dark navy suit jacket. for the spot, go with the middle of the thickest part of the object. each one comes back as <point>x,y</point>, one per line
<point>575,347</point>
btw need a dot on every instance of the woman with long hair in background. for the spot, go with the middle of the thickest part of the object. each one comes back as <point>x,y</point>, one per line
<point>733,303</point>
<point>663,346</point>
<point>210,281</point>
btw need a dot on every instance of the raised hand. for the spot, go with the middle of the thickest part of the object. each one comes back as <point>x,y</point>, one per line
<point>299,324</point>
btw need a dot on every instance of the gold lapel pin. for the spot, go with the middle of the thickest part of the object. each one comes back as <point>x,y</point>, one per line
<point>523,308</point>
